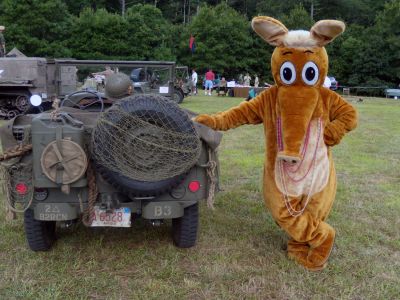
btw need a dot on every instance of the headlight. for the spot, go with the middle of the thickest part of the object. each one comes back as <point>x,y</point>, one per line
<point>35,100</point>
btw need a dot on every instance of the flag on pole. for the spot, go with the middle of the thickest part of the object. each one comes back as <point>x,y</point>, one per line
<point>192,44</point>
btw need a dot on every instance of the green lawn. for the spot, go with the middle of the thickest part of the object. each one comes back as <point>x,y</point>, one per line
<point>239,253</point>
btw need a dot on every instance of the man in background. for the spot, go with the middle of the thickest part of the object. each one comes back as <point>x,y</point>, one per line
<point>256,81</point>
<point>210,76</point>
<point>247,79</point>
<point>101,77</point>
<point>327,82</point>
<point>2,42</point>
<point>194,82</point>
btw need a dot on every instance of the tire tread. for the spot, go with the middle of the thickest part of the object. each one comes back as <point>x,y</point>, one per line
<point>39,234</point>
<point>184,229</point>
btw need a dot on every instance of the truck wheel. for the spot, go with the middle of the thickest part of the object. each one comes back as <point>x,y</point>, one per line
<point>41,235</point>
<point>178,96</point>
<point>12,114</point>
<point>22,103</point>
<point>184,229</point>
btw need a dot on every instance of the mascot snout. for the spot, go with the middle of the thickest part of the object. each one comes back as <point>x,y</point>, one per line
<point>296,112</point>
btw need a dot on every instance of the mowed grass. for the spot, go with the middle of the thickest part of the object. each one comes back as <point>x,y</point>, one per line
<point>240,248</point>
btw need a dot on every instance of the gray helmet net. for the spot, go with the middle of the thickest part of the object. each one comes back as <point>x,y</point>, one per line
<point>146,138</point>
<point>117,85</point>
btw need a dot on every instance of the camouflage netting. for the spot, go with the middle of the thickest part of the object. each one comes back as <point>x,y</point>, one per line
<point>146,138</point>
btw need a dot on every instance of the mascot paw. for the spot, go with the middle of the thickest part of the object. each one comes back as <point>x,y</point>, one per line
<point>332,135</point>
<point>205,120</point>
<point>329,140</point>
<point>319,255</point>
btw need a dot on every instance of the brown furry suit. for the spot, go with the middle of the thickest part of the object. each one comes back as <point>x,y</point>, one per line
<point>302,120</point>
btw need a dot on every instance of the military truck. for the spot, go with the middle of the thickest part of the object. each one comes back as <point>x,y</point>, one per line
<point>22,77</point>
<point>142,158</point>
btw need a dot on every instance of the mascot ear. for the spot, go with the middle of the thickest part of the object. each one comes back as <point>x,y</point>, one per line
<point>271,30</point>
<point>325,31</point>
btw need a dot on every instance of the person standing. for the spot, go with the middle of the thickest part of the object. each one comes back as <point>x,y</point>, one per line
<point>210,76</point>
<point>222,88</point>
<point>101,77</point>
<point>247,79</point>
<point>256,81</point>
<point>327,82</point>
<point>2,42</point>
<point>194,82</point>
<point>240,79</point>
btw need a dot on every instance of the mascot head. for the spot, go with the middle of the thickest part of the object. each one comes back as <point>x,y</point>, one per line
<point>299,66</point>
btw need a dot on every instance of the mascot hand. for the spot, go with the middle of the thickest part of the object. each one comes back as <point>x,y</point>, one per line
<point>333,133</point>
<point>205,120</point>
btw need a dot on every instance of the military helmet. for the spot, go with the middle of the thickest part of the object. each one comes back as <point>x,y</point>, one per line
<point>117,85</point>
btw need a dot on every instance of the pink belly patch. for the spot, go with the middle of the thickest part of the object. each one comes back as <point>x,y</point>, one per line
<point>310,175</point>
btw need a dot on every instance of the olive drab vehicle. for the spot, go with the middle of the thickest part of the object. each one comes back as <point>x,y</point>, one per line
<point>147,80</point>
<point>22,77</point>
<point>140,156</point>
<point>183,83</point>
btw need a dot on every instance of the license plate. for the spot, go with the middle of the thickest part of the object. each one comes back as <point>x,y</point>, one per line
<point>120,217</point>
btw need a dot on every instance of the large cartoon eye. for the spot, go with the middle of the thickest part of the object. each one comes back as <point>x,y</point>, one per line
<point>288,73</point>
<point>310,73</point>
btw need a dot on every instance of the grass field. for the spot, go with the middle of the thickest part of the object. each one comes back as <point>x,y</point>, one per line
<point>239,252</point>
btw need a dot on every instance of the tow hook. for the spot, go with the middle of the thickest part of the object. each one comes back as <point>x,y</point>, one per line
<point>107,203</point>
<point>68,224</point>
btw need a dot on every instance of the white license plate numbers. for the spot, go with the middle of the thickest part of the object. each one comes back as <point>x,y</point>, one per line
<point>120,217</point>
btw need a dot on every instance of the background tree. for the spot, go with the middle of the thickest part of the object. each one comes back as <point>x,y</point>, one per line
<point>115,6</point>
<point>143,34</point>
<point>366,54</point>
<point>36,27</point>
<point>99,35</point>
<point>370,56</point>
<point>275,9</point>
<point>298,18</point>
<point>388,27</point>
<point>222,41</point>
<point>150,36</point>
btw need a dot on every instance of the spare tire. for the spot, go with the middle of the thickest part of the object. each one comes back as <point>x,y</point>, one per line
<point>144,145</point>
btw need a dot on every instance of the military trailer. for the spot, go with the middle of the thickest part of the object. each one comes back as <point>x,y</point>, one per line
<point>141,158</point>
<point>23,77</point>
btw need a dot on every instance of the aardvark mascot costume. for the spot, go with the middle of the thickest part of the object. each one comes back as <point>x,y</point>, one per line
<point>302,120</point>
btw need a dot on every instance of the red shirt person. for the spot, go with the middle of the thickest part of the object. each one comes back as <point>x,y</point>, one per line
<point>210,76</point>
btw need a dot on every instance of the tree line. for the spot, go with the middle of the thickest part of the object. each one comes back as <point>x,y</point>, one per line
<point>367,54</point>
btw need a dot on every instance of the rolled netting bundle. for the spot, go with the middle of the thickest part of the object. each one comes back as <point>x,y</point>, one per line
<point>18,184</point>
<point>145,138</point>
<point>16,172</point>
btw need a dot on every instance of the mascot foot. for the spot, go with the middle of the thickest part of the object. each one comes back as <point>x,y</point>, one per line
<point>297,249</point>
<point>299,252</point>
<point>320,254</point>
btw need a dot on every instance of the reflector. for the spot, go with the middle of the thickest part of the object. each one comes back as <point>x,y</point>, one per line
<point>21,188</point>
<point>194,186</point>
